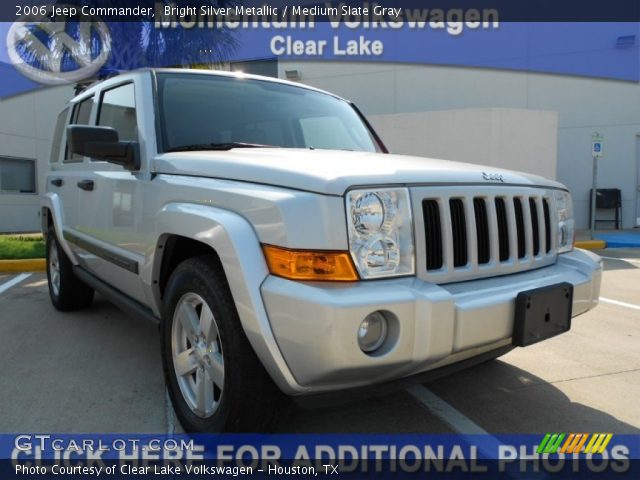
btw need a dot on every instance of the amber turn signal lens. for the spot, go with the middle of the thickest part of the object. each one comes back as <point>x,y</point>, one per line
<point>310,265</point>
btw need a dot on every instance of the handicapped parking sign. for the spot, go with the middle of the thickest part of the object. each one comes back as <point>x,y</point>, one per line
<point>597,145</point>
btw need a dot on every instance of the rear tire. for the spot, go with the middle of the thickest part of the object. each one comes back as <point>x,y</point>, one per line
<point>215,380</point>
<point>66,291</point>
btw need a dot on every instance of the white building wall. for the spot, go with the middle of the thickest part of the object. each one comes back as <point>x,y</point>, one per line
<point>516,139</point>
<point>26,127</point>
<point>583,105</point>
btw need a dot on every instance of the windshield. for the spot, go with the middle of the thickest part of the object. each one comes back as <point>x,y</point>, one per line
<point>202,111</point>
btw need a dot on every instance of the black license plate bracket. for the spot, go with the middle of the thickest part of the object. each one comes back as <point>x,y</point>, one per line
<point>542,313</point>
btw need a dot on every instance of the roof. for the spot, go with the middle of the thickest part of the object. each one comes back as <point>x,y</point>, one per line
<point>117,78</point>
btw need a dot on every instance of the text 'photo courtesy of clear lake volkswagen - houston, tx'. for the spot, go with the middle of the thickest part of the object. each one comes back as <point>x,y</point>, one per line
<point>366,239</point>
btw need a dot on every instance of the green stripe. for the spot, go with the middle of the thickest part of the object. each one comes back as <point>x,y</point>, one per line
<point>543,443</point>
<point>554,443</point>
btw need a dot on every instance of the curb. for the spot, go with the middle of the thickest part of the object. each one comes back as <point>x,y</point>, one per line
<point>591,244</point>
<point>27,265</point>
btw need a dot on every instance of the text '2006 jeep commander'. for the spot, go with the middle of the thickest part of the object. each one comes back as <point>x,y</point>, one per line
<point>283,250</point>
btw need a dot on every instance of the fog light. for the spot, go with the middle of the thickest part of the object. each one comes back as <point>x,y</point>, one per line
<point>372,332</point>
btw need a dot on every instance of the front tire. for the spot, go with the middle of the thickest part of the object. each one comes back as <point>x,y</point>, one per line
<point>215,380</point>
<point>66,291</point>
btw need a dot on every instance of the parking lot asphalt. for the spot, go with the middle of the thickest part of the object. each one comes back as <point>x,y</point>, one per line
<point>99,370</point>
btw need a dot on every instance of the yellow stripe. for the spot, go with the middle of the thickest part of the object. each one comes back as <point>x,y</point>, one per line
<point>603,441</point>
<point>606,442</point>
<point>596,443</point>
<point>594,437</point>
<point>591,244</point>
<point>28,265</point>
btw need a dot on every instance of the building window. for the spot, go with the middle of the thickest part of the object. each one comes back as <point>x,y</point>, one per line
<point>267,67</point>
<point>17,175</point>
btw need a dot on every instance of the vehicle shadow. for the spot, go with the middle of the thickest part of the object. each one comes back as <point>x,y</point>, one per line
<point>619,264</point>
<point>497,396</point>
<point>620,258</point>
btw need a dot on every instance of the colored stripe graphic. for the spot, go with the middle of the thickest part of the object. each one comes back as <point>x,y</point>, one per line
<point>550,443</point>
<point>574,443</point>
<point>598,442</point>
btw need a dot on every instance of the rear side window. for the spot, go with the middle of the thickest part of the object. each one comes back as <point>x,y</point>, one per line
<point>118,111</point>
<point>58,133</point>
<point>82,112</point>
<point>80,116</point>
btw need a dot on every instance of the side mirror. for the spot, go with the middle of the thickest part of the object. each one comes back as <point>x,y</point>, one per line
<point>102,143</point>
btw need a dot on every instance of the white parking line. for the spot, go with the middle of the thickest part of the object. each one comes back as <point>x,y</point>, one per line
<point>620,304</point>
<point>444,411</point>
<point>456,420</point>
<point>14,281</point>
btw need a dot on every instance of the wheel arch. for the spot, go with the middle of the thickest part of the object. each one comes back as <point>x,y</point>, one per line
<point>174,249</point>
<point>51,214</point>
<point>185,230</point>
<point>45,221</point>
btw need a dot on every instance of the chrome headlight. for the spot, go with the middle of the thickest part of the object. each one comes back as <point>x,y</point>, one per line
<point>381,232</point>
<point>566,227</point>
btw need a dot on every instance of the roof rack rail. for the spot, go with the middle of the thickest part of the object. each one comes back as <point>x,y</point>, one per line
<point>82,85</point>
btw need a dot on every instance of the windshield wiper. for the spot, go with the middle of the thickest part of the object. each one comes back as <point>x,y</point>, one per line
<point>217,146</point>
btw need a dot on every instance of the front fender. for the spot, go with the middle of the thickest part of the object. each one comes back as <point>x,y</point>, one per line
<point>237,245</point>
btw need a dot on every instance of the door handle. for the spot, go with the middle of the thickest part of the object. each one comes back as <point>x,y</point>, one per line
<point>57,182</point>
<point>86,185</point>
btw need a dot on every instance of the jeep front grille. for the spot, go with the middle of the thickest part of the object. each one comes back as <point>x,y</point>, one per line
<point>459,227</point>
<point>533,208</point>
<point>547,226</point>
<point>433,228</point>
<point>482,230</point>
<point>503,230</point>
<point>490,231</point>
<point>520,235</point>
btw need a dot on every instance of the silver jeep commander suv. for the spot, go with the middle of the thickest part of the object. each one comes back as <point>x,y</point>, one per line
<point>284,251</point>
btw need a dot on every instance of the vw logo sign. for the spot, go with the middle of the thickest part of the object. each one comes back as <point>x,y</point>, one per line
<point>56,52</point>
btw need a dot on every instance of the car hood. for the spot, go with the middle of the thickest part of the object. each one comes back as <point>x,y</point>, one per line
<point>333,172</point>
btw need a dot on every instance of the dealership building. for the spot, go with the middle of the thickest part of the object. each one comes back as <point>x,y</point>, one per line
<point>535,122</point>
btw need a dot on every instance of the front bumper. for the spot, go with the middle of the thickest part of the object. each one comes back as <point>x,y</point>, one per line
<point>315,324</point>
